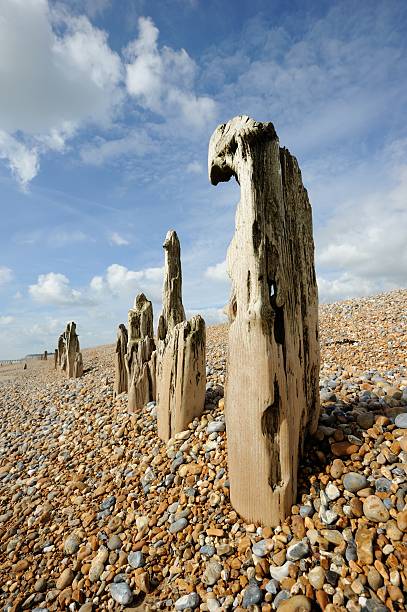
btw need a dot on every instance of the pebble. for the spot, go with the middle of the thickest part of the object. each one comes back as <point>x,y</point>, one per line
<point>136,559</point>
<point>71,544</point>
<point>316,577</point>
<point>375,510</point>
<point>186,602</point>
<point>297,603</point>
<point>178,525</point>
<point>278,573</point>
<point>212,573</point>
<point>252,595</point>
<point>297,551</point>
<point>121,593</point>
<point>262,548</point>
<point>215,426</point>
<point>401,421</point>
<point>353,482</point>
<point>65,579</point>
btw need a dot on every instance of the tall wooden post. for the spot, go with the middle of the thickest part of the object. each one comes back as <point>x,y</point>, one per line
<point>272,387</point>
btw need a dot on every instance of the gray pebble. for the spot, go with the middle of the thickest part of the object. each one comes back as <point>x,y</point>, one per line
<point>252,595</point>
<point>353,482</point>
<point>401,421</point>
<point>297,551</point>
<point>136,559</point>
<point>121,593</point>
<point>178,525</point>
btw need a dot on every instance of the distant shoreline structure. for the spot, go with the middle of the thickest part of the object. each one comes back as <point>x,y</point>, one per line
<point>25,358</point>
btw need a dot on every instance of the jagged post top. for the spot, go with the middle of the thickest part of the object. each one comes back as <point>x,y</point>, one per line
<point>171,241</point>
<point>141,302</point>
<point>228,137</point>
<point>71,327</point>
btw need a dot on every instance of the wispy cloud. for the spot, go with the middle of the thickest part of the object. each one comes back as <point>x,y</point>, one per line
<point>162,79</point>
<point>6,275</point>
<point>118,240</point>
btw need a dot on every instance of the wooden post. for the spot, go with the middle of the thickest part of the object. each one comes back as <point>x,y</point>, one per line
<point>140,357</point>
<point>272,387</point>
<point>120,376</point>
<point>181,379</point>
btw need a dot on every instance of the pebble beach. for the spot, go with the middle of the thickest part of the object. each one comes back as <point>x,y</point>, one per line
<point>97,513</point>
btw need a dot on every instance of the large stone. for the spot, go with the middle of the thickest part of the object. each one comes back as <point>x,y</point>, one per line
<point>375,510</point>
<point>120,375</point>
<point>272,390</point>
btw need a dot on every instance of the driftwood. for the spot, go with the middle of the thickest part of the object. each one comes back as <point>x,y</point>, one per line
<point>173,311</point>
<point>72,348</point>
<point>182,380</point>
<point>180,352</point>
<point>68,355</point>
<point>272,392</point>
<point>120,376</point>
<point>140,356</point>
<point>61,348</point>
<point>78,366</point>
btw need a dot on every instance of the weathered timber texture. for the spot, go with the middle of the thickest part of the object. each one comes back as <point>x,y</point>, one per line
<point>272,392</point>
<point>61,348</point>
<point>120,376</point>
<point>181,377</point>
<point>55,359</point>
<point>140,357</point>
<point>78,366</point>
<point>68,355</point>
<point>173,311</point>
<point>72,348</point>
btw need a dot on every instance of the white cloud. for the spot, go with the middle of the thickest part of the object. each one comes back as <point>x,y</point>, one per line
<point>6,275</point>
<point>118,240</point>
<point>6,320</point>
<point>195,167</point>
<point>346,285</point>
<point>362,247</point>
<point>218,272</point>
<point>54,288</point>
<point>136,143</point>
<point>22,161</point>
<point>53,82</point>
<point>120,281</point>
<point>53,237</point>
<point>162,79</point>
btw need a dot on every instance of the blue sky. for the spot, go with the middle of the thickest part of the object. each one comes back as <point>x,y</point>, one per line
<point>106,110</point>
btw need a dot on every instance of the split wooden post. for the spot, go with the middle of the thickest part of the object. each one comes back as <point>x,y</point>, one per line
<point>272,387</point>
<point>120,376</point>
<point>140,356</point>
<point>181,378</point>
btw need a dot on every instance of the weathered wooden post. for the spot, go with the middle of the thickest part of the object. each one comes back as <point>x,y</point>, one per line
<point>140,356</point>
<point>181,378</point>
<point>55,359</point>
<point>72,348</point>
<point>272,387</point>
<point>120,376</point>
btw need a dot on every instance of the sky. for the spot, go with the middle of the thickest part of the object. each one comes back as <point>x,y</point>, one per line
<point>106,110</point>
